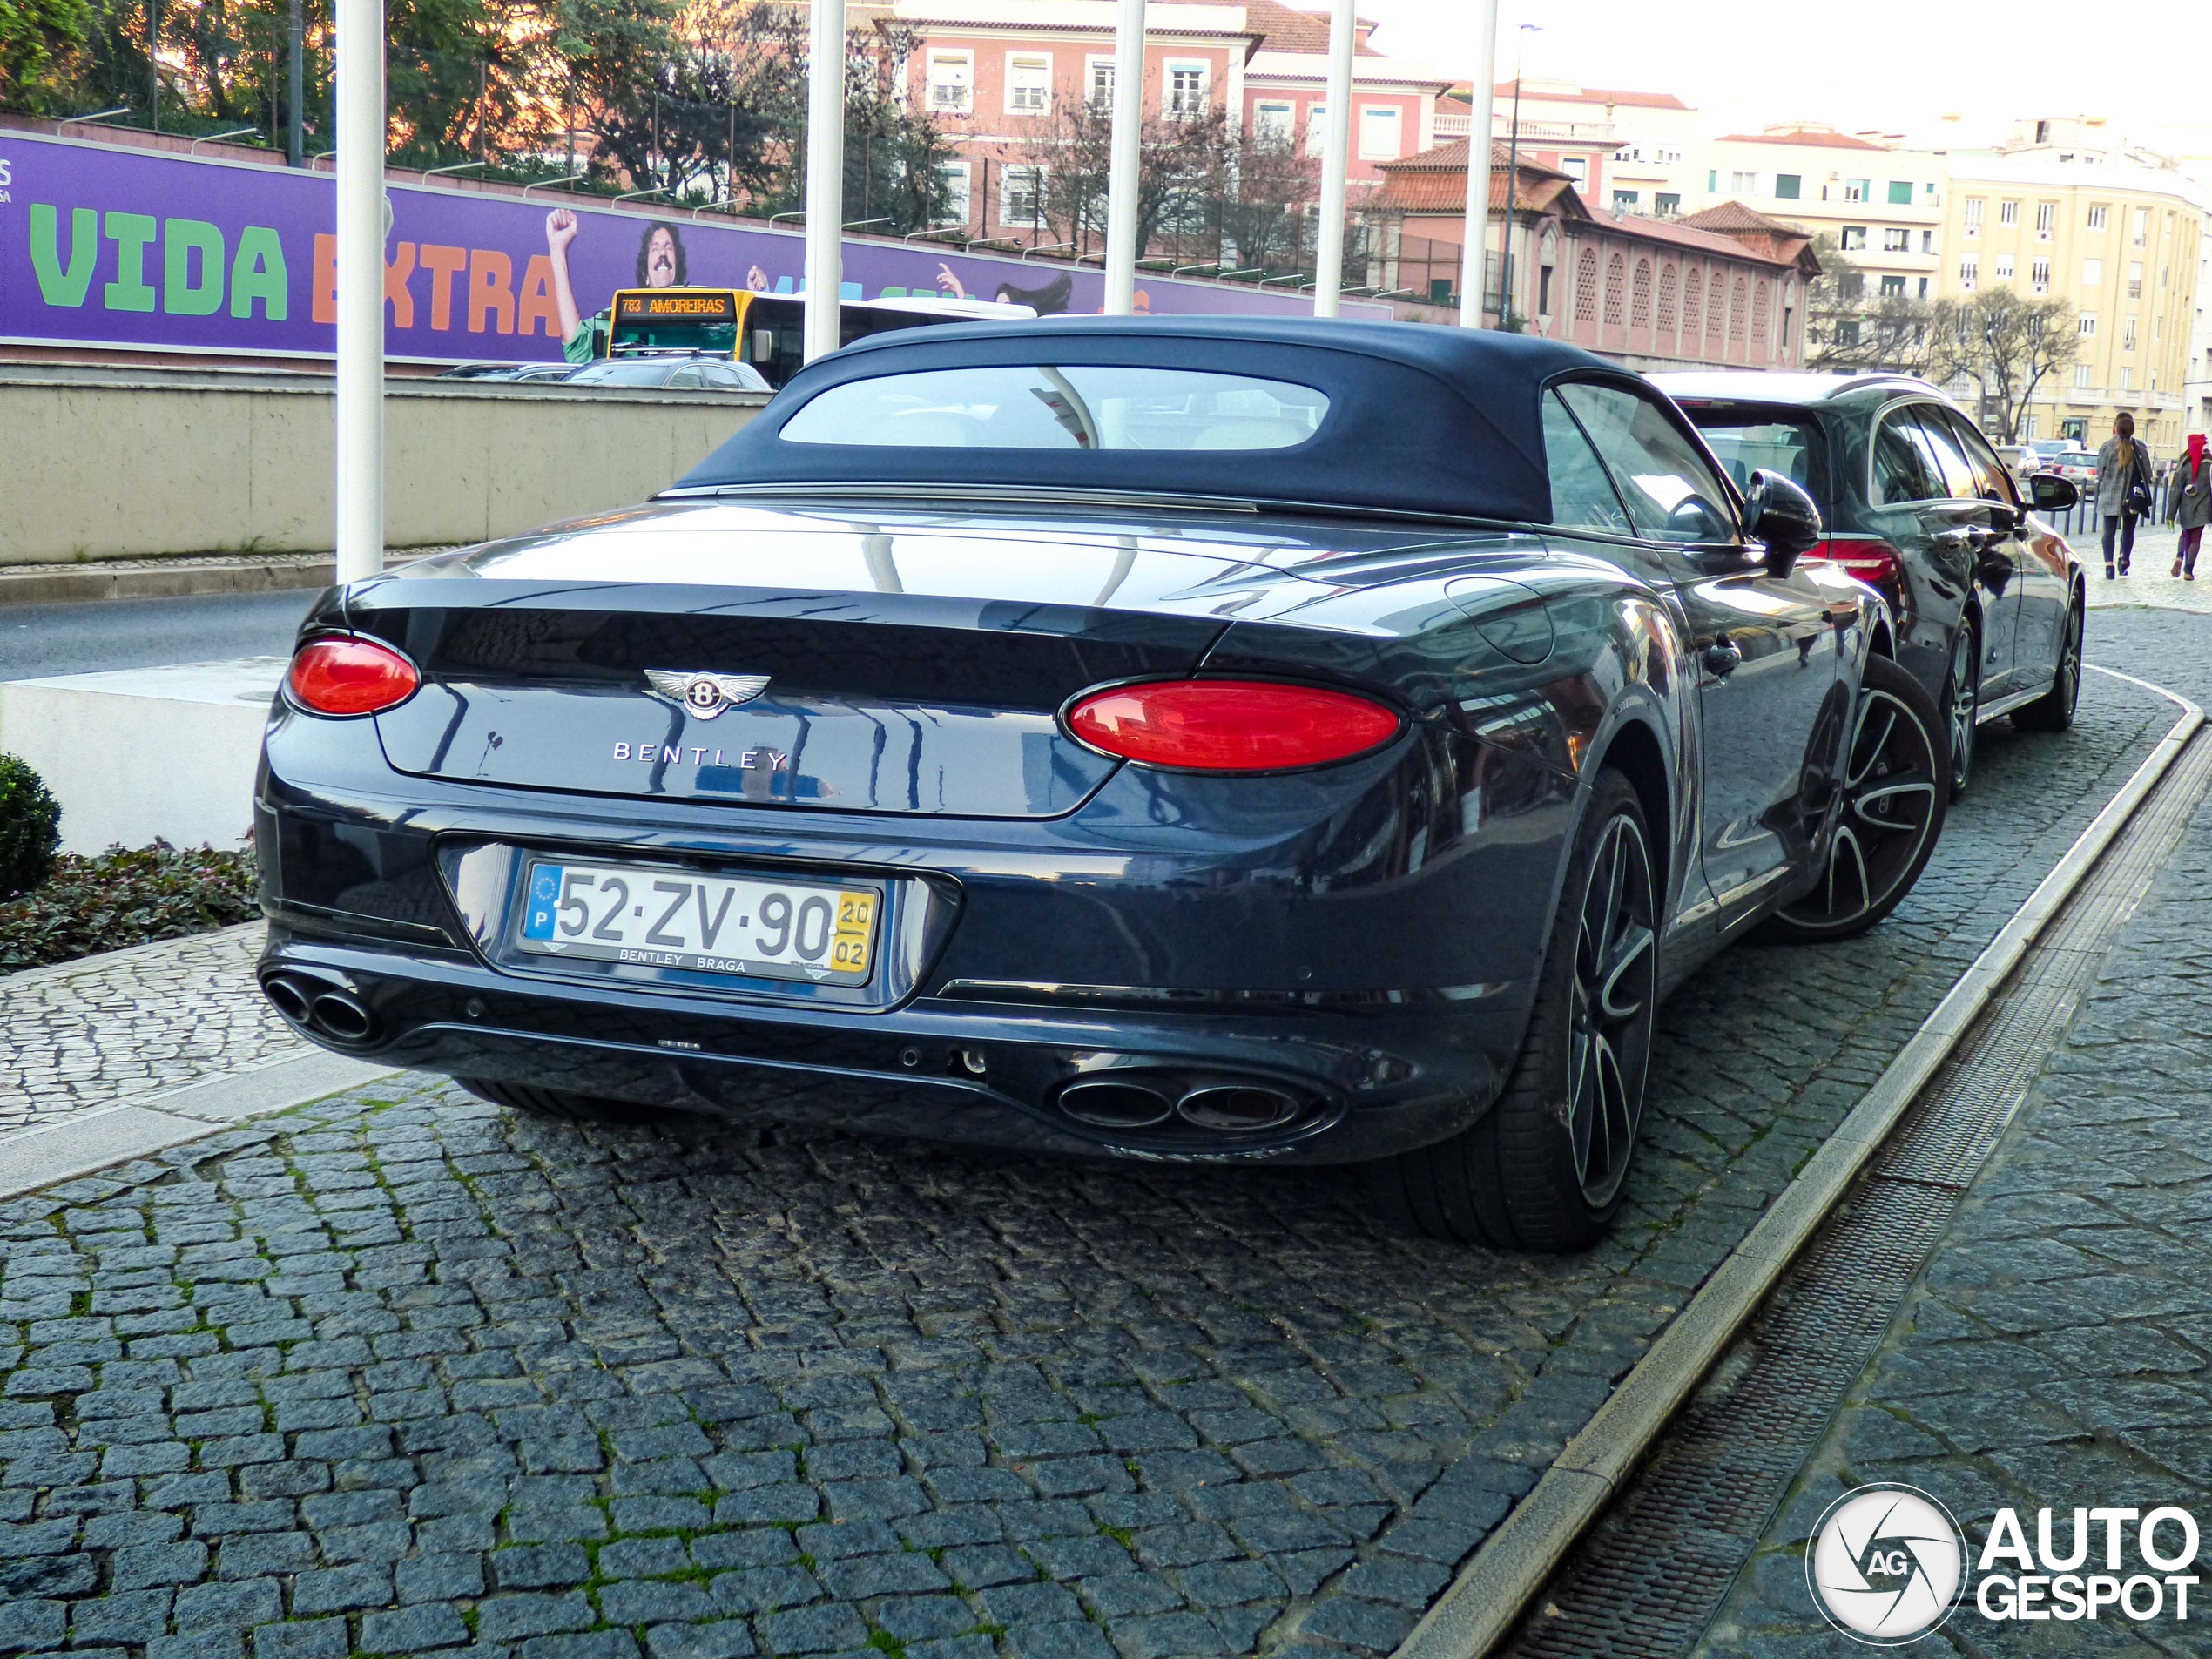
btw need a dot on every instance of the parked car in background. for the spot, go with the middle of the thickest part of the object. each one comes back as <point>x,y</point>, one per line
<point>2070,458</point>
<point>507,372</point>
<point>673,371</point>
<point>1187,739</point>
<point>1989,600</point>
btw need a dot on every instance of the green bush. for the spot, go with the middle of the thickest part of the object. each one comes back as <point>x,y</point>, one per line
<point>125,896</point>
<point>30,821</point>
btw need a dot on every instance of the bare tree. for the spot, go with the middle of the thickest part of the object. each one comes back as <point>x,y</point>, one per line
<point>2009,343</point>
<point>1183,161</point>
<point>1847,330</point>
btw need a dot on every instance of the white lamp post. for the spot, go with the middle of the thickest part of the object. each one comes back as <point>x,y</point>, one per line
<point>825,178</point>
<point>360,288</point>
<point>1328,251</point>
<point>1474,255</point>
<point>1126,156</point>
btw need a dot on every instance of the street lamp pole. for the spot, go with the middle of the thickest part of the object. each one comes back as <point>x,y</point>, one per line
<point>295,149</point>
<point>360,140</point>
<point>1128,156</point>
<point>825,178</point>
<point>1512,179</point>
<point>1475,249</point>
<point>1328,251</point>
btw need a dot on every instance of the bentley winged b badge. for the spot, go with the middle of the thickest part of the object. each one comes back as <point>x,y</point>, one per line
<point>704,695</point>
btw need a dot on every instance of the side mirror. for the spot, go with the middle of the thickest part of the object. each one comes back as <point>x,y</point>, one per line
<point>1779,514</point>
<point>2053,493</point>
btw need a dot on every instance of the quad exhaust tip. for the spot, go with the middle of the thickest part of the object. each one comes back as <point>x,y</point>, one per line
<point>1218,1108</point>
<point>329,1010</point>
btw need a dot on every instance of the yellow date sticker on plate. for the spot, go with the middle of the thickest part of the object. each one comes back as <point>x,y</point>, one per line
<point>855,928</point>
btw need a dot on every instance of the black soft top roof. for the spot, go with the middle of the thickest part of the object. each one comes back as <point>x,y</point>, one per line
<point>1422,418</point>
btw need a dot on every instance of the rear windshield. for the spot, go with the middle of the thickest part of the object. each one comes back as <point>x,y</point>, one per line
<point>1042,407</point>
<point>1748,441</point>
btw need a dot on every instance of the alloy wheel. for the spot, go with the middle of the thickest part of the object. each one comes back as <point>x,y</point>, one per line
<point>1966,703</point>
<point>2068,690</point>
<point>1886,816</point>
<point>1615,986</point>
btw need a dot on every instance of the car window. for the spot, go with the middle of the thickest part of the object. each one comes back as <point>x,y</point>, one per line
<point>1903,469</point>
<point>1754,440</point>
<point>742,377</point>
<point>1991,481</point>
<point>1944,456</point>
<point>687,379</point>
<point>1090,407</point>
<point>1672,493</point>
<point>620,373</point>
<point>1582,496</point>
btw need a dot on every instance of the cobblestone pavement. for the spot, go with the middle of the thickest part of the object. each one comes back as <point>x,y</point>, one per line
<point>83,1035</point>
<point>2055,1351</point>
<point>400,1373</point>
<point>2148,581</point>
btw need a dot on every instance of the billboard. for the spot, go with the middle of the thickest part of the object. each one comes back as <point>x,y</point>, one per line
<point>102,245</point>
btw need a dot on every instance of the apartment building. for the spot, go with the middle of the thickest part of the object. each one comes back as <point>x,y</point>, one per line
<point>2119,234</point>
<point>1623,148</point>
<point>996,73</point>
<point>1881,202</point>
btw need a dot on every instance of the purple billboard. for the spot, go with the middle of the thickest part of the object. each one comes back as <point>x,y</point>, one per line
<point>102,245</point>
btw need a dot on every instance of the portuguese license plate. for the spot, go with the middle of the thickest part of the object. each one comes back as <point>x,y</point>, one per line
<point>710,924</point>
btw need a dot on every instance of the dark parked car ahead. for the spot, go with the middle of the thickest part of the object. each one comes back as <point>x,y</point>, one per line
<point>1180,738</point>
<point>1989,601</point>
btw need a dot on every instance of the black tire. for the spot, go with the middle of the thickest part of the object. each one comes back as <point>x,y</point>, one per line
<point>1545,1171</point>
<point>555,1103</point>
<point>2054,710</point>
<point>1961,703</point>
<point>1888,816</point>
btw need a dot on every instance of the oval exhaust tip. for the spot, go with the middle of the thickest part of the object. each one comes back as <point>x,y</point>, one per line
<point>287,998</point>
<point>341,1016</point>
<point>1238,1108</point>
<point>1116,1105</point>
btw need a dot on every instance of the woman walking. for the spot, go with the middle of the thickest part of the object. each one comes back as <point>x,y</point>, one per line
<point>2191,506</point>
<point>2123,490</point>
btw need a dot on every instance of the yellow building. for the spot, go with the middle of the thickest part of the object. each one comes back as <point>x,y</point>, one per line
<point>2061,209</point>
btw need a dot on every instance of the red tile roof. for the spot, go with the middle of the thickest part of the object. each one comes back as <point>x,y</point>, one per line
<point>1596,95</point>
<point>1285,29</point>
<point>1813,136</point>
<point>1734,216</point>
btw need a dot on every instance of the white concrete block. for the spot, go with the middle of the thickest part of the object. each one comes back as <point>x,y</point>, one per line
<point>145,752</point>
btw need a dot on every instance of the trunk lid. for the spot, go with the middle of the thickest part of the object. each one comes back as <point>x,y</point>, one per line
<point>914,666</point>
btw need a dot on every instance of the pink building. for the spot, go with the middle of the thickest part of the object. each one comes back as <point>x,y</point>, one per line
<point>1725,287</point>
<point>994,73</point>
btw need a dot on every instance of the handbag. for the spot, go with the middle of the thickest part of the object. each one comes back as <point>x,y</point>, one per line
<point>2139,489</point>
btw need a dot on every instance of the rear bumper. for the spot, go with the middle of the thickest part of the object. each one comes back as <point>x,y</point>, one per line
<point>1365,943</point>
<point>1372,1085</point>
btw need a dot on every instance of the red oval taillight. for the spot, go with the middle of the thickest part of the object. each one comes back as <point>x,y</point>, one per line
<point>1231,725</point>
<point>343,674</point>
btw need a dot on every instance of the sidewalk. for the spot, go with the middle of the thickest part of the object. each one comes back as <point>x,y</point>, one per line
<point>172,577</point>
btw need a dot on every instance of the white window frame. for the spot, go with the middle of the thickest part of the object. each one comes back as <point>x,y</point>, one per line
<point>2086,325</point>
<point>2002,271</point>
<point>1316,127</point>
<point>1028,62</point>
<point>2046,221</point>
<point>1098,81</point>
<point>1851,239</point>
<point>2095,220</point>
<point>2039,277</point>
<point>1170,108</point>
<point>1975,204</point>
<point>2092,273</point>
<point>2127,334</point>
<point>1034,175</point>
<point>2136,280</point>
<point>963,200</point>
<point>1895,240</point>
<point>1742,184</point>
<point>1396,113</point>
<point>2081,373</point>
<point>1276,118</point>
<point>1857,190</point>
<point>1969,272</point>
<point>2142,225</point>
<point>1577,169</point>
<point>938,57</point>
<point>2009,212</point>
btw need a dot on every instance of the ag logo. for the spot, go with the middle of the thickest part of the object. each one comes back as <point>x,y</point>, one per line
<point>1887,1564</point>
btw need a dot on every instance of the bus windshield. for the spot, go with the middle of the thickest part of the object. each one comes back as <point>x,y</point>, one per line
<point>701,320</point>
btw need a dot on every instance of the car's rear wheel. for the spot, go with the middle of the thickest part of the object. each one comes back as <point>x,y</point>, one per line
<point>2054,710</point>
<point>1961,702</point>
<point>1889,817</point>
<point>1546,1169</point>
<point>556,1103</point>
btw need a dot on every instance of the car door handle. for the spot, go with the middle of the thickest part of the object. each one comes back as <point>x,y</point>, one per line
<point>1721,657</point>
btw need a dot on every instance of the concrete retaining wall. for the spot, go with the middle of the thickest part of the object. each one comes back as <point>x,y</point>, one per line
<point>120,462</point>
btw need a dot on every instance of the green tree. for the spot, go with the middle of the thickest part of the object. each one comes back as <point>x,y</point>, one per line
<point>39,41</point>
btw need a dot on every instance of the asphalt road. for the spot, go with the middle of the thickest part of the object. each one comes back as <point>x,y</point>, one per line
<point>39,640</point>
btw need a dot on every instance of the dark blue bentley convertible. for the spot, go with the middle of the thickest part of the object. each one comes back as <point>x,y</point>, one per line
<point>1180,739</point>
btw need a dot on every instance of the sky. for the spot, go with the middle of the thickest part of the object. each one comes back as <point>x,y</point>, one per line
<point>1888,66</point>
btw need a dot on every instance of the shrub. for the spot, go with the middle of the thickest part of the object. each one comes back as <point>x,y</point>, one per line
<point>30,821</point>
<point>125,896</point>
